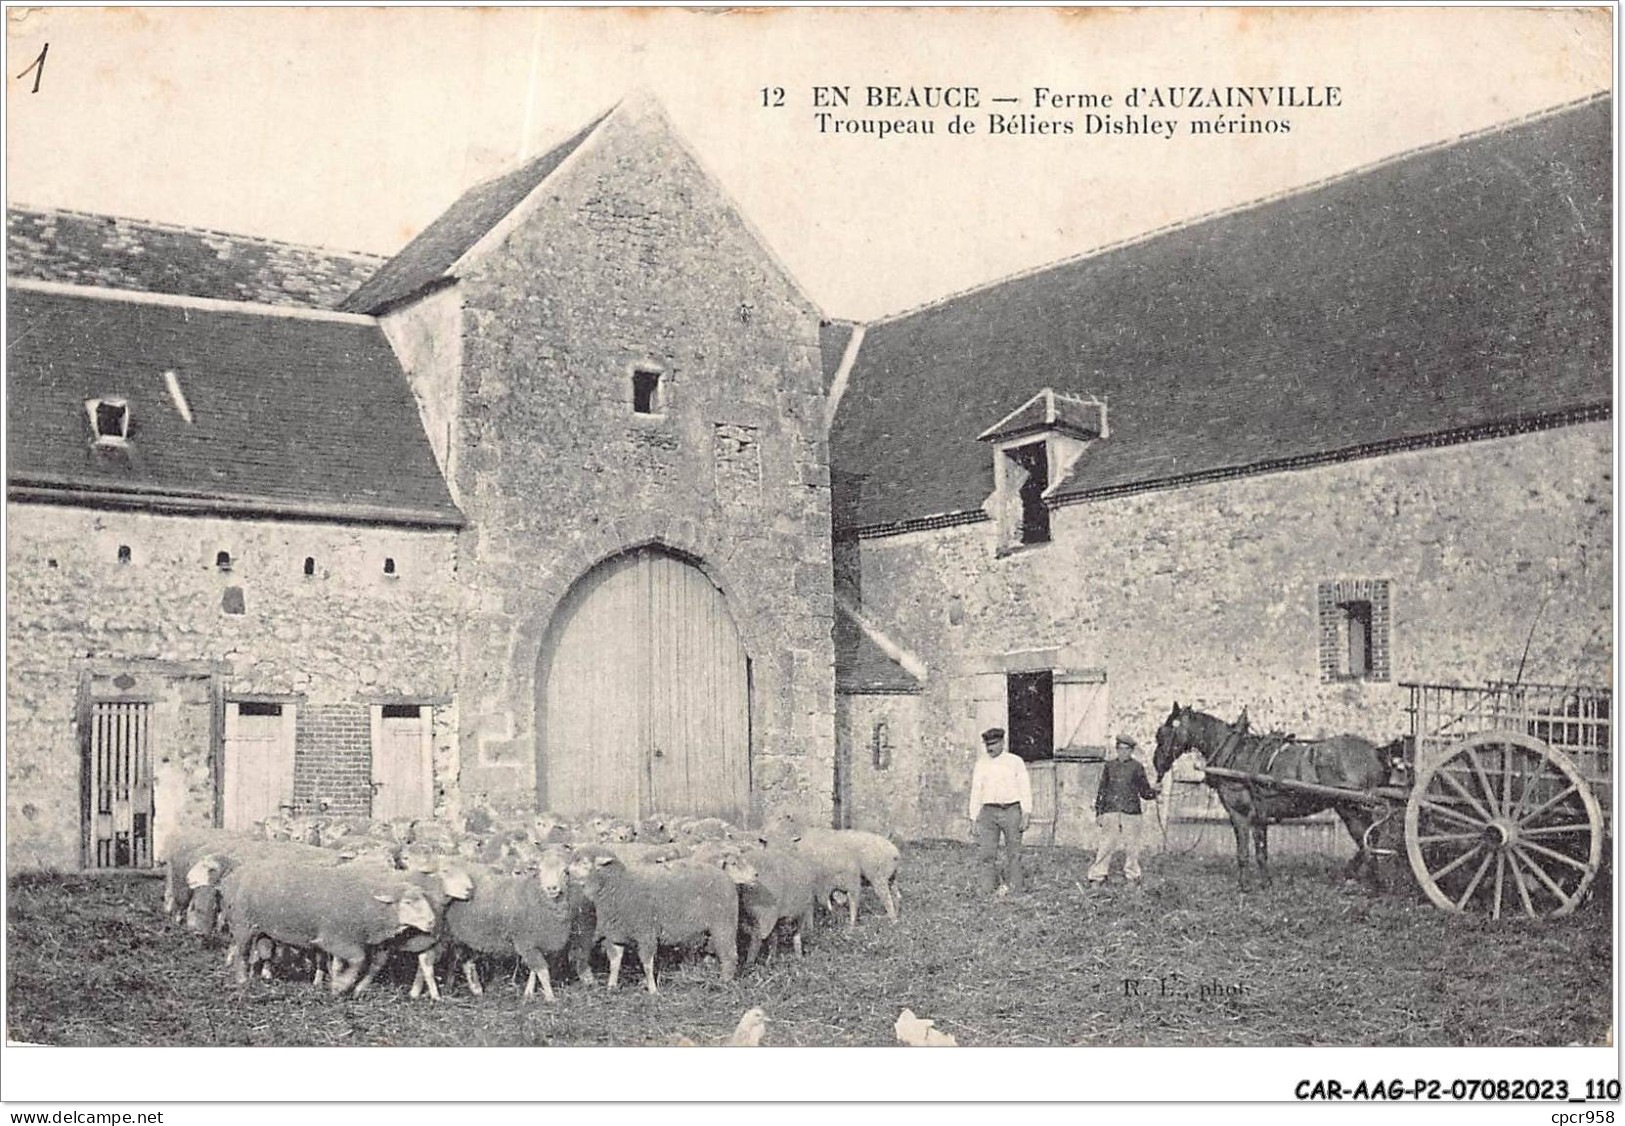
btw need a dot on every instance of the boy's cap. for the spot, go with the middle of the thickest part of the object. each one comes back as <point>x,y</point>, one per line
<point>993,735</point>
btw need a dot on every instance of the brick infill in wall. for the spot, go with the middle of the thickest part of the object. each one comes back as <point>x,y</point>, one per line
<point>332,769</point>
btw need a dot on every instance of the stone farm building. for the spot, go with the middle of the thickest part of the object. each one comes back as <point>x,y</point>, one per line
<point>538,514</point>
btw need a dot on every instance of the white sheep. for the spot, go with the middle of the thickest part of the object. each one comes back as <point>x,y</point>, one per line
<point>877,858</point>
<point>674,904</point>
<point>444,883</point>
<point>834,865</point>
<point>344,911</point>
<point>509,914</point>
<point>784,890</point>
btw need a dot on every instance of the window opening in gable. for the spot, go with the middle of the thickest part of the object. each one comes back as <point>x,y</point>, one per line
<point>222,560</point>
<point>310,566</point>
<point>1031,714</point>
<point>123,553</point>
<point>109,420</point>
<point>1027,476</point>
<point>880,746</point>
<point>389,565</point>
<point>646,391</point>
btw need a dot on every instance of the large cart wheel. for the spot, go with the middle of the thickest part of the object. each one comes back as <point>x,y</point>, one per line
<point>1503,822</point>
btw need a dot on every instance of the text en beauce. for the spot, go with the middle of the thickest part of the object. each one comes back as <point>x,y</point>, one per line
<point>901,97</point>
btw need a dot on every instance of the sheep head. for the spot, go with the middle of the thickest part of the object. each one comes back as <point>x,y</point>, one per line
<point>412,908</point>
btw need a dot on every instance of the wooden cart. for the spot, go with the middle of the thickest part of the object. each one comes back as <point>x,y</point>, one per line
<point>1506,792</point>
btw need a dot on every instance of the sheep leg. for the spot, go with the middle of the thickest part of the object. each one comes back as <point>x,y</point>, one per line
<point>646,955</point>
<point>539,972</point>
<point>753,946</point>
<point>616,950</point>
<point>852,908</point>
<point>883,889</point>
<point>471,974</point>
<point>425,975</point>
<point>348,962</point>
<point>377,961</point>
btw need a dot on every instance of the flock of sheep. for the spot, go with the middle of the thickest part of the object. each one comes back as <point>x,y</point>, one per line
<point>350,894</point>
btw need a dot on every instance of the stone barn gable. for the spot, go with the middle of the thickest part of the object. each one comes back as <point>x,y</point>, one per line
<point>1355,435</point>
<point>625,388</point>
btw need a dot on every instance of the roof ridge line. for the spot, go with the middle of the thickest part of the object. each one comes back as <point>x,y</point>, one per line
<point>1246,205</point>
<point>182,227</point>
<point>186,301</point>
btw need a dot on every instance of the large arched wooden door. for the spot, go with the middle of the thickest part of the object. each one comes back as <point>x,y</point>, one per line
<point>643,695</point>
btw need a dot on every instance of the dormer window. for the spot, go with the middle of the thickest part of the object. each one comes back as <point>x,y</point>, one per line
<point>109,420</point>
<point>1034,449</point>
<point>1026,474</point>
<point>646,391</point>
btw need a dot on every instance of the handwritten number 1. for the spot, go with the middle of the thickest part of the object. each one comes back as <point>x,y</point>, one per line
<point>38,67</point>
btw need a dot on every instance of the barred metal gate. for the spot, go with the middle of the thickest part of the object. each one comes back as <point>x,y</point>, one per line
<point>118,785</point>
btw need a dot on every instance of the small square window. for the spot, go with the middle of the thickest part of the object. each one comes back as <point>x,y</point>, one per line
<point>109,420</point>
<point>646,391</point>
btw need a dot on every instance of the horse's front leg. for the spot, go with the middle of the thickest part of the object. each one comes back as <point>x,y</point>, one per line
<point>1261,846</point>
<point>1239,825</point>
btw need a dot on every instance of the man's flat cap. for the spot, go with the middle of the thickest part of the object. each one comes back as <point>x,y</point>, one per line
<point>1126,741</point>
<point>993,735</point>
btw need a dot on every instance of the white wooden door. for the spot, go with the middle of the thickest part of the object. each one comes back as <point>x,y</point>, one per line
<point>644,695</point>
<point>401,761</point>
<point>258,764</point>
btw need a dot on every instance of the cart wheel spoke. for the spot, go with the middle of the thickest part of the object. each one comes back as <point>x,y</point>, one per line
<point>1450,814</point>
<point>1441,838</point>
<point>1483,780</point>
<point>1500,874</point>
<point>1526,847</point>
<point>1555,830</point>
<point>1572,788</point>
<point>1472,884</point>
<point>1523,890</point>
<point>1448,778</point>
<point>1441,873</point>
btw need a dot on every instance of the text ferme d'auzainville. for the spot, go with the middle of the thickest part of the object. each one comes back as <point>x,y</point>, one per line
<point>1161,111</point>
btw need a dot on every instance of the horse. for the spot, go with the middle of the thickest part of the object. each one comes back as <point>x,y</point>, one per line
<point>1346,762</point>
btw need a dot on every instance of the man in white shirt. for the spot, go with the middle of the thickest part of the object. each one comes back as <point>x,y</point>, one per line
<point>1001,802</point>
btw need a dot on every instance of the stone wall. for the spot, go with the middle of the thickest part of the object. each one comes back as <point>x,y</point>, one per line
<point>1210,595</point>
<point>631,257</point>
<point>177,628</point>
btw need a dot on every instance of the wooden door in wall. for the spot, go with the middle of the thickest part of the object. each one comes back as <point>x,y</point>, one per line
<point>257,766</point>
<point>401,762</point>
<point>643,695</point>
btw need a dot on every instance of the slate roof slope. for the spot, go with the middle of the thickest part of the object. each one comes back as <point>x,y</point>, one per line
<point>77,248</point>
<point>1459,286</point>
<point>425,259</point>
<point>291,414</point>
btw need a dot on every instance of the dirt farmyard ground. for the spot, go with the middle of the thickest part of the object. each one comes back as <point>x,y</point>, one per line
<point>1182,959</point>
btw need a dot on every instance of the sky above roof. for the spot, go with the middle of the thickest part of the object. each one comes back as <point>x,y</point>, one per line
<point>355,128</point>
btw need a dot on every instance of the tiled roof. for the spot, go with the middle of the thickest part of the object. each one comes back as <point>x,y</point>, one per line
<point>1460,286</point>
<point>101,250</point>
<point>438,246</point>
<point>291,414</point>
<point>861,666</point>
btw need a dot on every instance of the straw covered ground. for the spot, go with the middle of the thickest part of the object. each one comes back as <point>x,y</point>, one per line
<point>1182,959</point>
